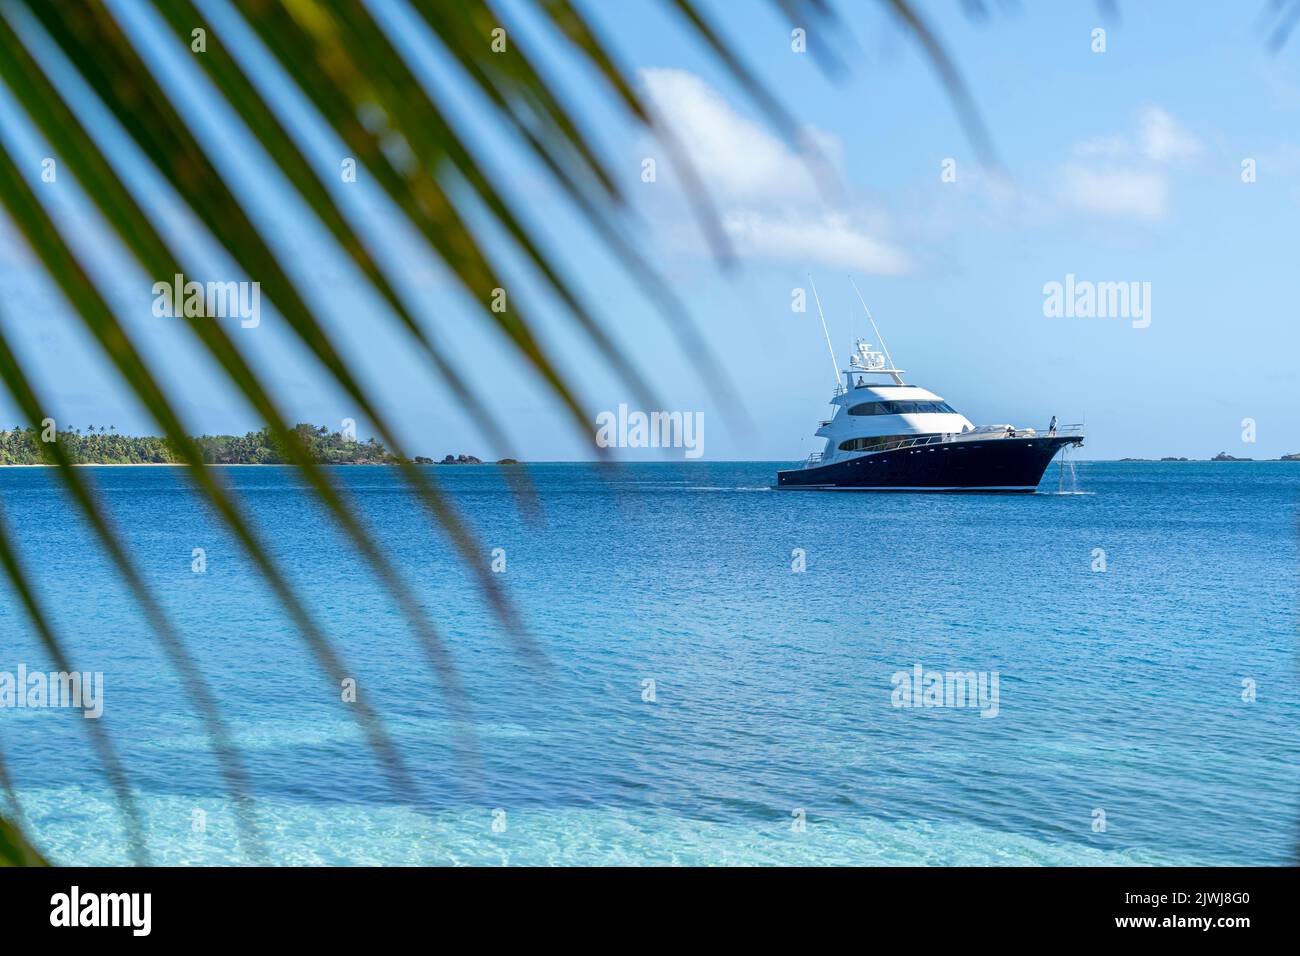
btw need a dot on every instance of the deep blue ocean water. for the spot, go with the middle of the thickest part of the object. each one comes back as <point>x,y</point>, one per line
<point>772,736</point>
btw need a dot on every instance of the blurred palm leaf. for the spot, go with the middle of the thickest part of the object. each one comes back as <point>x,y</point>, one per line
<point>14,848</point>
<point>346,70</point>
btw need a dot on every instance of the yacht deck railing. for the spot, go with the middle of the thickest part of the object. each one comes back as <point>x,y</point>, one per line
<point>1061,431</point>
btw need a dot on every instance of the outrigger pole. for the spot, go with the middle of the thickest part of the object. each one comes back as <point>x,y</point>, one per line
<point>835,368</point>
<point>879,338</point>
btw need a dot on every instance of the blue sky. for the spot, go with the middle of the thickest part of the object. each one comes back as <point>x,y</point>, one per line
<point>1120,166</point>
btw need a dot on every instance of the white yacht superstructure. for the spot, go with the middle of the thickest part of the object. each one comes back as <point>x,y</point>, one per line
<point>885,434</point>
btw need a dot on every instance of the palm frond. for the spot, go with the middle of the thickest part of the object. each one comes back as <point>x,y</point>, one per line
<point>14,848</point>
<point>91,39</point>
<point>239,91</point>
<point>367,72</point>
<point>105,752</point>
<point>574,25</point>
<point>951,78</point>
<point>340,59</point>
<point>117,205</point>
<point>99,320</point>
<point>524,101</point>
<point>818,18</point>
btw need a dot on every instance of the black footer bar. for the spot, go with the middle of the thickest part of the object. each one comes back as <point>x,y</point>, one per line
<point>334,906</point>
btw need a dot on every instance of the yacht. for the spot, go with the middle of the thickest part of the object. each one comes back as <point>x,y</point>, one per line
<point>886,435</point>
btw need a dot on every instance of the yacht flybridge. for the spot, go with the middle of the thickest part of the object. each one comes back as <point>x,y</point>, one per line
<point>886,435</point>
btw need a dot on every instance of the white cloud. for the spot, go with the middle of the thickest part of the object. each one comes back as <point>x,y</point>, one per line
<point>1105,146</point>
<point>1162,140</point>
<point>1121,192</point>
<point>1134,181</point>
<point>1158,138</point>
<point>765,191</point>
<point>830,239</point>
<point>736,157</point>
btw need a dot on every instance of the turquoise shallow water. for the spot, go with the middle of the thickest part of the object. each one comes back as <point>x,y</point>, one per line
<point>772,736</point>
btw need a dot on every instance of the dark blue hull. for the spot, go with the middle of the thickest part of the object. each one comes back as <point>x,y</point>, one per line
<point>998,464</point>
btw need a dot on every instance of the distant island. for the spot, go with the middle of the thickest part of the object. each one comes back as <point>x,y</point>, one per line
<point>104,445</point>
<point>1221,456</point>
<point>461,460</point>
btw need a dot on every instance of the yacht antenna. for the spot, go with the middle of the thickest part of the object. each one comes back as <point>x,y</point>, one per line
<point>879,338</point>
<point>834,366</point>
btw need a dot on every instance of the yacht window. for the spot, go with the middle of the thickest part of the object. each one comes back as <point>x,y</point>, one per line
<point>865,444</point>
<point>902,408</point>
